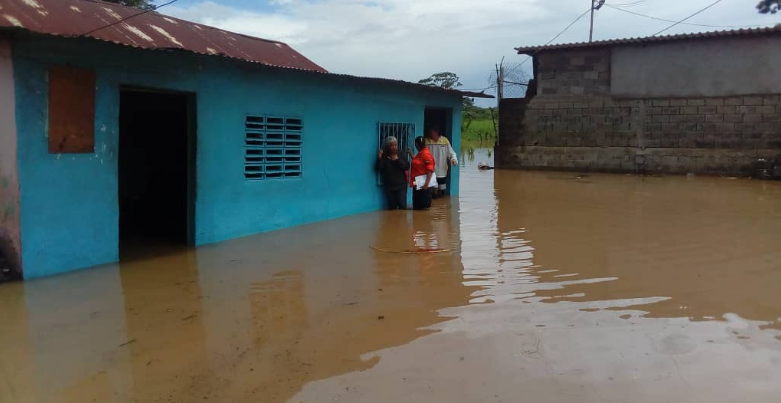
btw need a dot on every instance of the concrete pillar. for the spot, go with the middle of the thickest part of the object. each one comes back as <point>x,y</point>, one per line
<point>10,223</point>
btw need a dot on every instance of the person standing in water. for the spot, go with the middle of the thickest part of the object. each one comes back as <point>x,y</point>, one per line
<point>422,165</point>
<point>393,170</point>
<point>444,157</point>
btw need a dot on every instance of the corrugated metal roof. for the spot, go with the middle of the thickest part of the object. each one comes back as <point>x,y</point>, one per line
<point>406,84</point>
<point>151,30</point>
<point>526,50</point>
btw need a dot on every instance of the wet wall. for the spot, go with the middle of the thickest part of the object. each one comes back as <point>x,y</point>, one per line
<point>10,236</point>
<point>587,117</point>
<point>70,218</point>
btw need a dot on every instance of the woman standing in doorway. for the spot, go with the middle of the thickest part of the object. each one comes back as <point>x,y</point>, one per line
<point>422,165</point>
<point>444,155</point>
<point>393,170</point>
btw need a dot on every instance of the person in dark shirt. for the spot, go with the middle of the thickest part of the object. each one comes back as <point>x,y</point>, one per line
<point>393,169</point>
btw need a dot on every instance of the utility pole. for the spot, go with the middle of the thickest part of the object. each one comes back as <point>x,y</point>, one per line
<point>499,82</point>
<point>498,86</point>
<point>595,5</point>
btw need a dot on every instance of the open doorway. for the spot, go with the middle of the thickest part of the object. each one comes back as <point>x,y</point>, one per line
<point>440,119</point>
<point>156,171</point>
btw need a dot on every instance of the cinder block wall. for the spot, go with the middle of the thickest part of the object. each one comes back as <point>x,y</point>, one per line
<point>573,123</point>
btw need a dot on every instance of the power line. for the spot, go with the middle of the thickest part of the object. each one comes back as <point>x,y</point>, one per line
<point>683,20</point>
<point>637,3</point>
<point>675,23</point>
<point>683,23</point>
<point>557,35</point>
<point>588,10</point>
<point>568,27</point>
<point>519,65</point>
<point>128,17</point>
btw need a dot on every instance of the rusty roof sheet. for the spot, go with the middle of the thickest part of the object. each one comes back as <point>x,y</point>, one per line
<point>529,50</point>
<point>150,30</point>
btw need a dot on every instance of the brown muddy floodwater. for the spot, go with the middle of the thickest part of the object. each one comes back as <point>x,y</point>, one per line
<point>552,288</point>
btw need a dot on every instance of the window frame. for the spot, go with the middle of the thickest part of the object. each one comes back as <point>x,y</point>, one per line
<point>275,141</point>
<point>404,141</point>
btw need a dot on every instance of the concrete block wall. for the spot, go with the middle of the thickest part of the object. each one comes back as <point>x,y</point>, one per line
<point>574,124</point>
<point>511,120</point>
<point>574,73</point>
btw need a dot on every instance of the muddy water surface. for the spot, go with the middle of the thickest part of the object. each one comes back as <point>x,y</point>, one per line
<point>547,287</point>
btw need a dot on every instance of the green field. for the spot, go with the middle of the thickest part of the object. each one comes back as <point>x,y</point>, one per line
<point>479,130</point>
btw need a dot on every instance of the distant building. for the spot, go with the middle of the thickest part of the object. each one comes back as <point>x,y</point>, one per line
<point>118,129</point>
<point>705,103</point>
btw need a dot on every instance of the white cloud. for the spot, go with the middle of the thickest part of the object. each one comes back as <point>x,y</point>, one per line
<point>410,39</point>
<point>270,26</point>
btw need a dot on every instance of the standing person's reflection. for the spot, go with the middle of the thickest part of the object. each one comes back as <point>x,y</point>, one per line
<point>421,174</point>
<point>394,236</point>
<point>393,169</point>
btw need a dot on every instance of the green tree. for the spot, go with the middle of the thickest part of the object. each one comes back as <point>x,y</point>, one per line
<point>142,4</point>
<point>769,6</point>
<point>446,80</point>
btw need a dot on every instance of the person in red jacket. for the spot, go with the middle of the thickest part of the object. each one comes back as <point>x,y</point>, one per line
<point>422,164</point>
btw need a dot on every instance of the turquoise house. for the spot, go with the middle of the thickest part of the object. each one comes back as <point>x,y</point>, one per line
<point>120,129</point>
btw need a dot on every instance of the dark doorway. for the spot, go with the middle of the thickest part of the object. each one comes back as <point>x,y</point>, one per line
<point>156,170</point>
<point>442,120</point>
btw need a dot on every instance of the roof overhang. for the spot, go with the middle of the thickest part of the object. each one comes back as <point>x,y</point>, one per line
<point>738,33</point>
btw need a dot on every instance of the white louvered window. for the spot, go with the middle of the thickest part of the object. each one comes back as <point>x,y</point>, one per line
<point>273,147</point>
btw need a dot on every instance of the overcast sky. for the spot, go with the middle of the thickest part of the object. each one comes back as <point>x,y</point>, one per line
<point>410,39</point>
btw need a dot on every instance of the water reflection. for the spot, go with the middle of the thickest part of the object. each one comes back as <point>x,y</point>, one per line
<point>552,286</point>
<point>591,288</point>
<point>278,308</point>
<point>701,250</point>
<point>164,327</point>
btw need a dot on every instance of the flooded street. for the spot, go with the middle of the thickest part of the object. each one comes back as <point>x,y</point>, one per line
<point>541,287</point>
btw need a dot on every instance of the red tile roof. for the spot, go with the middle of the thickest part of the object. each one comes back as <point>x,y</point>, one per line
<point>528,50</point>
<point>150,30</point>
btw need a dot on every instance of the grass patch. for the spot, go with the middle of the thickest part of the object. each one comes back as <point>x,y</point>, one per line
<point>479,130</point>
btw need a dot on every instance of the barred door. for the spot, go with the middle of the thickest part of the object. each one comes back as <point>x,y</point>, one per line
<point>404,133</point>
